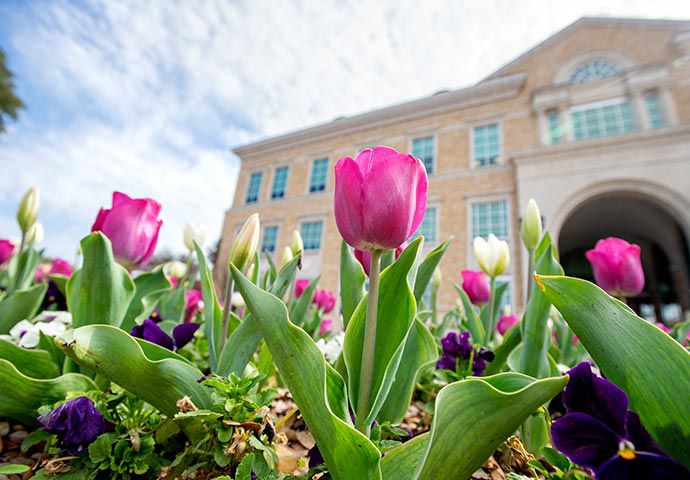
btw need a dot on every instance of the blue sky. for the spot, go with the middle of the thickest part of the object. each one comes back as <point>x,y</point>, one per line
<point>149,97</point>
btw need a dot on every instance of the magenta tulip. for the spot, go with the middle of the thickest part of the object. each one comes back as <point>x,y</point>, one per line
<point>617,267</point>
<point>300,286</point>
<point>364,256</point>
<point>132,225</point>
<point>324,299</point>
<point>57,267</point>
<point>6,251</point>
<point>476,286</point>
<point>326,326</point>
<point>505,322</point>
<point>380,198</point>
<point>193,303</point>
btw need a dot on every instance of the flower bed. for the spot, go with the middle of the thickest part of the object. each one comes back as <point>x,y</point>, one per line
<point>118,370</point>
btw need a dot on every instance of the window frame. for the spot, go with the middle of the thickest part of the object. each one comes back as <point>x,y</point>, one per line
<point>311,175</point>
<point>599,106</point>
<point>660,110</point>
<point>434,158</point>
<point>473,161</point>
<point>263,237</point>
<point>260,173</point>
<point>437,223</point>
<point>273,184</point>
<point>480,200</point>
<point>304,237</point>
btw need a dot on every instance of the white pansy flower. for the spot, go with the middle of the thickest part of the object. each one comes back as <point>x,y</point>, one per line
<point>26,334</point>
<point>331,348</point>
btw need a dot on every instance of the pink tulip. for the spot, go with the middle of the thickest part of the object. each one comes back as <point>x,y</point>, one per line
<point>192,304</point>
<point>325,300</point>
<point>380,198</point>
<point>326,326</point>
<point>364,256</point>
<point>476,286</point>
<point>132,225</point>
<point>6,251</point>
<point>300,286</point>
<point>505,322</point>
<point>57,267</point>
<point>617,267</point>
<point>662,327</point>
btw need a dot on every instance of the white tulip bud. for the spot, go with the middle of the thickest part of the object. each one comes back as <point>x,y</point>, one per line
<point>194,232</point>
<point>297,245</point>
<point>246,243</point>
<point>493,255</point>
<point>437,278</point>
<point>531,226</point>
<point>28,209</point>
<point>175,269</point>
<point>287,256</point>
<point>35,233</point>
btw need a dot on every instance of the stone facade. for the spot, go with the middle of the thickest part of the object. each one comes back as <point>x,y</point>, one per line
<point>529,100</point>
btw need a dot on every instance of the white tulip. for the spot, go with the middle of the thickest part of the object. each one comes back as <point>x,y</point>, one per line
<point>493,255</point>
<point>194,232</point>
<point>531,228</point>
<point>175,269</point>
<point>35,233</point>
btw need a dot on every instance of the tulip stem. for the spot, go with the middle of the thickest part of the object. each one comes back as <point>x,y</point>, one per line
<point>227,307</point>
<point>530,272</point>
<point>187,270</point>
<point>492,302</point>
<point>369,347</point>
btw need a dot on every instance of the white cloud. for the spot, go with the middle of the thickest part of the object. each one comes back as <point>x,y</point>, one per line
<point>148,97</point>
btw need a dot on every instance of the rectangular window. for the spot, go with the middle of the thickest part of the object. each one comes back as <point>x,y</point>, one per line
<point>279,183</point>
<point>555,130</point>
<point>612,118</point>
<point>428,226</point>
<point>508,295</point>
<point>423,149</point>
<point>490,217</point>
<point>487,145</point>
<point>311,234</point>
<point>319,173</point>
<point>254,187</point>
<point>656,116</point>
<point>270,238</point>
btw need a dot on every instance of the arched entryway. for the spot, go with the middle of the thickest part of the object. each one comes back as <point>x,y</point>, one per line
<point>639,219</point>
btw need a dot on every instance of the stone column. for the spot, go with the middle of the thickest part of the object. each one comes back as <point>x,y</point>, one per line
<point>640,111</point>
<point>668,107</point>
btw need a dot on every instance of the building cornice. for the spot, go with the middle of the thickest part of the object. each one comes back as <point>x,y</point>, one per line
<point>496,90</point>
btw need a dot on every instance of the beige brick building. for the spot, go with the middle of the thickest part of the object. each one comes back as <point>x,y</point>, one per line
<point>594,123</point>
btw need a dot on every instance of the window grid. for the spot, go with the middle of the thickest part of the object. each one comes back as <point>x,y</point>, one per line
<point>319,172</point>
<point>490,217</point>
<point>487,145</point>
<point>254,187</point>
<point>603,121</point>
<point>428,226</point>
<point>423,149</point>
<point>593,70</point>
<point>555,131</point>
<point>311,234</point>
<point>656,116</point>
<point>270,238</point>
<point>279,182</point>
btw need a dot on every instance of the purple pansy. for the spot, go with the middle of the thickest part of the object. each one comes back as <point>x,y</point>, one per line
<point>457,346</point>
<point>76,423</point>
<point>598,432</point>
<point>182,334</point>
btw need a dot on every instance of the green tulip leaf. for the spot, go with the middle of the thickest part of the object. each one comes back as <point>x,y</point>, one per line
<point>32,363</point>
<point>511,340</point>
<point>22,395</point>
<point>352,280</point>
<point>497,297</point>
<point>22,268</point>
<point>420,351</point>
<point>300,306</point>
<point>213,315</point>
<point>149,288</point>
<point>246,336</point>
<point>646,363</point>
<point>474,322</point>
<point>317,388</point>
<point>402,463</point>
<point>101,291</point>
<point>47,344</point>
<point>425,272</point>
<point>396,313</point>
<point>20,305</point>
<point>146,370</point>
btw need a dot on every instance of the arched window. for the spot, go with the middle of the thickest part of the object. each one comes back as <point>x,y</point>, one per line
<point>593,70</point>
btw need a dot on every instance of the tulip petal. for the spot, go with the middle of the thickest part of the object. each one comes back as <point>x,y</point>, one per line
<point>584,439</point>
<point>348,201</point>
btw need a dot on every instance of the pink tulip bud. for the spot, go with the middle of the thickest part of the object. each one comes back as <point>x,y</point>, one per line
<point>324,299</point>
<point>364,256</point>
<point>380,198</point>
<point>57,267</point>
<point>6,251</point>
<point>617,267</point>
<point>193,303</point>
<point>132,225</point>
<point>300,286</point>
<point>662,327</point>
<point>505,322</point>
<point>476,286</point>
<point>326,326</point>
